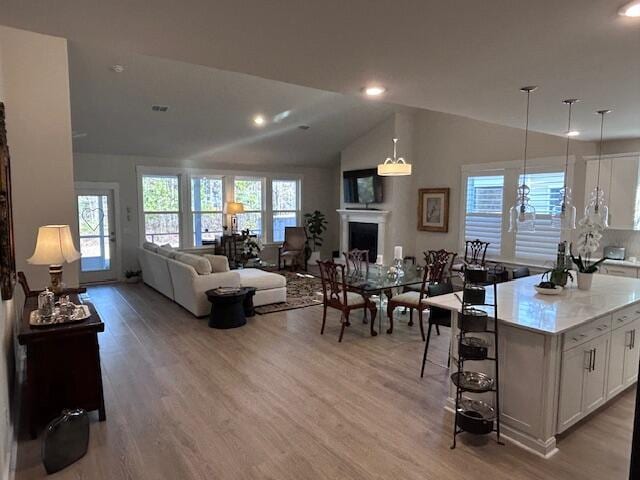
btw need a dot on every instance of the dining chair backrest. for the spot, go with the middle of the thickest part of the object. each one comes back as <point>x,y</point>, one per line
<point>442,261</point>
<point>334,287</point>
<point>475,252</point>
<point>521,272</point>
<point>357,262</point>
<point>22,280</point>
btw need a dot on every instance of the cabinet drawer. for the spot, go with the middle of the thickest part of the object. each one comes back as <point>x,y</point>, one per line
<point>620,271</point>
<point>586,332</point>
<point>626,315</point>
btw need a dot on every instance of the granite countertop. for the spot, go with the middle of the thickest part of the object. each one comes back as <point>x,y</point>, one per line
<point>520,306</point>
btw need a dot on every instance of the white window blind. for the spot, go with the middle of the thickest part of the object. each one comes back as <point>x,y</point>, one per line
<point>541,245</point>
<point>483,217</point>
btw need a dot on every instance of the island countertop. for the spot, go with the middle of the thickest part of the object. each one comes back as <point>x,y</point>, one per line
<point>519,305</point>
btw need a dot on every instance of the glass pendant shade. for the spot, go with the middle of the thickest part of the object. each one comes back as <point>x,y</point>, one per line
<point>563,215</point>
<point>522,215</point>
<point>597,210</point>
<point>394,166</point>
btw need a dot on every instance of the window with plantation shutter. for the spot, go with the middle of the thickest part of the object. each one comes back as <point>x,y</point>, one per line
<point>483,216</point>
<point>542,244</point>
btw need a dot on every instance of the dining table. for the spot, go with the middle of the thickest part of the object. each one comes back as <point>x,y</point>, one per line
<point>383,280</point>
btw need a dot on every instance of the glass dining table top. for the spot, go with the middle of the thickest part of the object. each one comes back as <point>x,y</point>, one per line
<point>381,278</point>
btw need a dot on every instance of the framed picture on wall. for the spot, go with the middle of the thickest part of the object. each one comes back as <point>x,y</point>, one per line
<point>433,209</point>
<point>7,250</point>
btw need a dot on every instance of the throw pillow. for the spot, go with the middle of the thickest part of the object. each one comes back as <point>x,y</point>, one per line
<point>152,247</point>
<point>201,265</point>
<point>219,263</point>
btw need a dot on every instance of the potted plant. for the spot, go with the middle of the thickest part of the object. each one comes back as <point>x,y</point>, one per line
<point>588,242</point>
<point>132,276</point>
<point>251,248</point>
<point>560,275</point>
<point>316,225</point>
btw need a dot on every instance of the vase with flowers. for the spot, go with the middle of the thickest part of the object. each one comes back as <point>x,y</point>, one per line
<point>588,242</point>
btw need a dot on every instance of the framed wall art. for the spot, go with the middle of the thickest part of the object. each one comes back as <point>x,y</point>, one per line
<point>433,209</point>
<point>7,248</point>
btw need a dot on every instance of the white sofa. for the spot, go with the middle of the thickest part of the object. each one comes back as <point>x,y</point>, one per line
<point>181,282</point>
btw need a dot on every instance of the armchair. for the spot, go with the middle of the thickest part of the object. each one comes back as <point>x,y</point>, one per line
<point>293,248</point>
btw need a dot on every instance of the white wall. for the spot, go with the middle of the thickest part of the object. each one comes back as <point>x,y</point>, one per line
<point>441,144</point>
<point>36,84</point>
<point>318,191</point>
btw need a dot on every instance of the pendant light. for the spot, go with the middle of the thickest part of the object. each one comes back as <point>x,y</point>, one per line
<point>522,215</point>
<point>563,215</point>
<point>394,166</point>
<point>597,210</point>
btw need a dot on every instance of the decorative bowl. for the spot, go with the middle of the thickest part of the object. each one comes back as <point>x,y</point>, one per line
<point>549,291</point>
<point>473,381</point>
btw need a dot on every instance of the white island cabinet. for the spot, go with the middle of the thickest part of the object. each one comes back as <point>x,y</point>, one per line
<point>561,357</point>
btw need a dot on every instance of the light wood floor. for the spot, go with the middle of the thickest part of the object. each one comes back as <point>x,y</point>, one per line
<point>275,400</point>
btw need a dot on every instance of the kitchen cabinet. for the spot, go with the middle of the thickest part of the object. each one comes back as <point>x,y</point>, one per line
<point>619,271</point>
<point>624,357</point>
<point>583,381</point>
<point>619,179</point>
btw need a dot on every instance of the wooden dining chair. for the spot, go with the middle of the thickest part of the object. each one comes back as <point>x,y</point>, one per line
<point>438,317</point>
<point>413,300</point>
<point>475,252</point>
<point>443,259</point>
<point>337,295</point>
<point>357,262</point>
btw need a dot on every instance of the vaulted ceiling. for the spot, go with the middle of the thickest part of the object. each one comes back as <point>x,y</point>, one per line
<point>457,56</point>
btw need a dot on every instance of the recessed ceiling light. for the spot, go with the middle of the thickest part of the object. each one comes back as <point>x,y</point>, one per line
<point>630,9</point>
<point>259,120</point>
<point>374,90</point>
<point>573,133</point>
<point>118,68</point>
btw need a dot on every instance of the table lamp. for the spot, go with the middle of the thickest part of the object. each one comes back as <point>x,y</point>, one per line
<point>54,247</point>
<point>233,208</point>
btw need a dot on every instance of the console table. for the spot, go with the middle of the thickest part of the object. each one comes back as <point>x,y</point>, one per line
<point>63,365</point>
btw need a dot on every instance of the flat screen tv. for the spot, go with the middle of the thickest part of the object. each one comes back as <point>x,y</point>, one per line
<point>362,186</point>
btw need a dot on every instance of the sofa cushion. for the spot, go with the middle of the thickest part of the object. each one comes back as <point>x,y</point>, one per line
<point>152,247</point>
<point>219,263</point>
<point>261,280</point>
<point>167,252</point>
<point>200,264</point>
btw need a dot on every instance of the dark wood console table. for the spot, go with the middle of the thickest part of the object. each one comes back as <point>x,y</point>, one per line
<point>63,366</point>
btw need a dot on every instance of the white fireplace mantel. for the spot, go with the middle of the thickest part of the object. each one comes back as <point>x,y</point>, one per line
<point>364,216</point>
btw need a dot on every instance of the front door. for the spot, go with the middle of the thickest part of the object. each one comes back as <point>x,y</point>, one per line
<point>97,235</point>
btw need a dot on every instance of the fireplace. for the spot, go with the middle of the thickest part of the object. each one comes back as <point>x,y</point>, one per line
<point>364,236</point>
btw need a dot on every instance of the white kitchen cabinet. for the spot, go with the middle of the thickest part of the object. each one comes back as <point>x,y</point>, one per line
<point>632,355</point>
<point>619,271</point>
<point>583,380</point>
<point>624,357</point>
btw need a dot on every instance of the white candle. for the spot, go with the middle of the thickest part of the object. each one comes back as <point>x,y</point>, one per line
<point>379,260</point>
<point>397,253</point>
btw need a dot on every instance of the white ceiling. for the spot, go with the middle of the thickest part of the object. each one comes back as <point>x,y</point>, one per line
<point>210,112</point>
<point>459,56</point>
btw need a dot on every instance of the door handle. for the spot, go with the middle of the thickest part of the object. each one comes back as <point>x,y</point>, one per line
<point>630,335</point>
<point>593,362</point>
<point>633,339</point>
<point>588,367</point>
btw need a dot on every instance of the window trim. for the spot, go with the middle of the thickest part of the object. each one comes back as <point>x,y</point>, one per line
<point>297,211</point>
<point>142,213</point>
<point>228,176</point>
<point>511,171</point>
<point>192,212</point>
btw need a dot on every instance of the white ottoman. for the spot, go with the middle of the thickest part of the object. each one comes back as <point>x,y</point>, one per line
<point>270,287</point>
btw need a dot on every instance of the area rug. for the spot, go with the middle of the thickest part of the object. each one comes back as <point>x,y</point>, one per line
<point>303,290</point>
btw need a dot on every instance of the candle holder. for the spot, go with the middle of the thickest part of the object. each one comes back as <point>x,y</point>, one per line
<point>398,263</point>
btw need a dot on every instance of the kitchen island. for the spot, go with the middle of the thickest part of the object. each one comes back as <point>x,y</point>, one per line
<point>560,357</point>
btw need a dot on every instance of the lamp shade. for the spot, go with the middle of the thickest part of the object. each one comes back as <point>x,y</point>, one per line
<point>233,208</point>
<point>54,246</point>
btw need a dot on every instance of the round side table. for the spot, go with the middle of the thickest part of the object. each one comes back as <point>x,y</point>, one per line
<point>227,308</point>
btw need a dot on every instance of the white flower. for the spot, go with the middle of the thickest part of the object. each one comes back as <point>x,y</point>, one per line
<point>589,236</point>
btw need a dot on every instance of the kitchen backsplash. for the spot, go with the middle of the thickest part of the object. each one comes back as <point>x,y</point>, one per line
<point>628,239</point>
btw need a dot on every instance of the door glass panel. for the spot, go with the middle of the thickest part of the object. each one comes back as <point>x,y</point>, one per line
<point>93,222</point>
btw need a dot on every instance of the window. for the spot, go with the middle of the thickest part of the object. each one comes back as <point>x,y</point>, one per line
<point>206,208</point>
<point>546,191</point>
<point>285,206</point>
<point>483,217</point>
<point>161,209</point>
<point>248,191</point>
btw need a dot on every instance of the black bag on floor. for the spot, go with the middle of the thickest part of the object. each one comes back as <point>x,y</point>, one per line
<point>66,440</point>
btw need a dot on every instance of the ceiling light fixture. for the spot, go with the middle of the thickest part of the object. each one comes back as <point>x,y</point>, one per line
<point>374,90</point>
<point>522,215</point>
<point>597,210</point>
<point>394,166</point>
<point>563,215</point>
<point>630,9</point>
<point>573,133</point>
<point>259,120</point>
